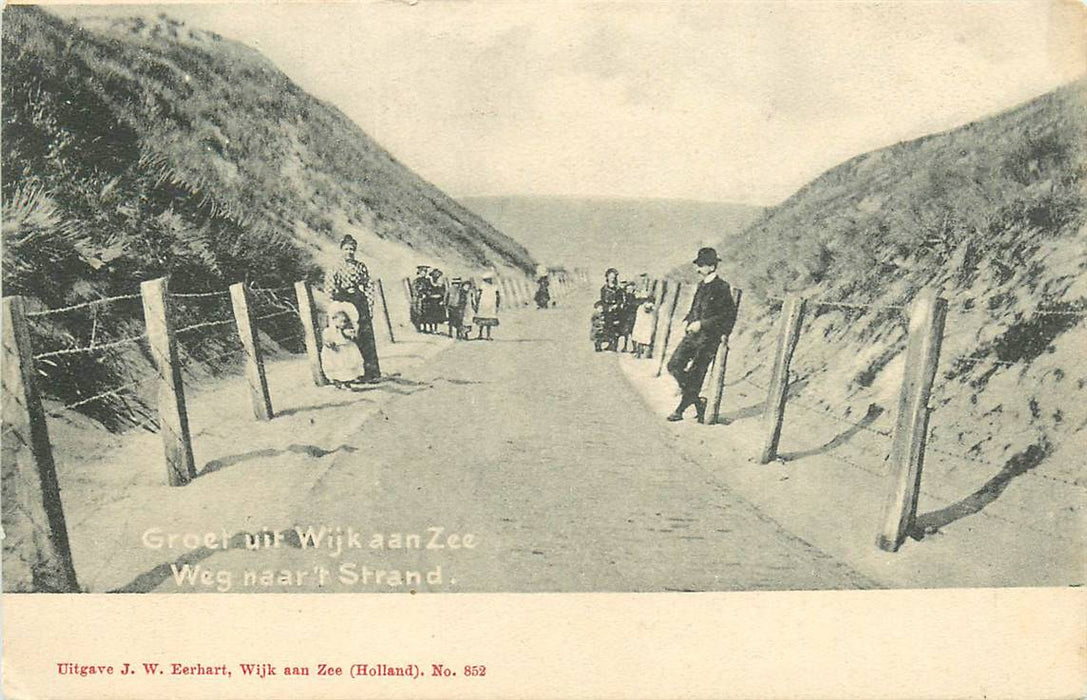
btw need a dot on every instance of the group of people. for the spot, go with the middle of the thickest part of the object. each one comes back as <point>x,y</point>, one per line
<point>621,315</point>
<point>459,303</point>
<point>349,352</point>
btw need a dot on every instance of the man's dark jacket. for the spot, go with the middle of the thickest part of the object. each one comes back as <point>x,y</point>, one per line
<point>712,305</point>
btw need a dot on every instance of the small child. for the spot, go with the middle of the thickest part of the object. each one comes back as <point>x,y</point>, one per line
<point>642,334</point>
<point>596,333</point>
<point>341,359</point>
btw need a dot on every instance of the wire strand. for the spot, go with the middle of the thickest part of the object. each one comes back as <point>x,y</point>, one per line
<point>90,348</point>
<point>104,394</point>
<point>831,416</point>
<point>977,460</point>
<point>203,324</point>
<point>84,305</point>
<point>273,315</point>
<point>199,295</point>
<point>272,289</point>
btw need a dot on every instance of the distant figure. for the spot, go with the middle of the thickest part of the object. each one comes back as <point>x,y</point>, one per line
<point>628,309</point>
<point>434,304</point>
<point>642,335</point>
<point>469,301</point>
<point>487,305</point>
<point>596,326</point>
<point>710,319</point>
<point>341,360</point>
<point>349,281</point>
<point>543,293</point>
<point>420,287</point>
<point>611,295</point>
<point>454,307</point>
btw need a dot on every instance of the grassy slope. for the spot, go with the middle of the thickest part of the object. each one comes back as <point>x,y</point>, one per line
<point>992,214</point>
<point>635,235</point>
<point>133,149</point>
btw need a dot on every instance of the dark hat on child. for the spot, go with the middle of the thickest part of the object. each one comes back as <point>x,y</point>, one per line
<point>707,256</point>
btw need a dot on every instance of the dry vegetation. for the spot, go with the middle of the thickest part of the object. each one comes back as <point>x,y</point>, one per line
<point>991,214</point>
<point>135,149</point>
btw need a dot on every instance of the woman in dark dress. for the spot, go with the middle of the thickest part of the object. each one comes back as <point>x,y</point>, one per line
<point>628,314</point>
<point>611,296</point>
<point>349,281</point>
<point>434,313</point>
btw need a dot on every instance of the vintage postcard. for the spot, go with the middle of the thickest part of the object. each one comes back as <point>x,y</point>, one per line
<point>630,349</point>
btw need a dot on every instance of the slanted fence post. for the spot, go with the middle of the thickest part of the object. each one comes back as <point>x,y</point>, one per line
<point>307,311</point>
<point>720,363</point>
<point>668,326</point>
<point>385,311</point>
<point>173,419</point>
<point>911,426</point>
<point>792,317</point>
<point>33,518</point>
<point>254,363</point>
<point>660,290</point>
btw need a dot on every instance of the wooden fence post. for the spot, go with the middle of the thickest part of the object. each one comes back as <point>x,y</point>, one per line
<point>660,291</point>
<point>668,327</point>
<point>792,316</point>
<point>173,419</point>
<point>720,363</point>
<point>385,310</point>
<point>40,558</point>
<point>911,426</point>
<point>254,363</point>
<point>307,310</point>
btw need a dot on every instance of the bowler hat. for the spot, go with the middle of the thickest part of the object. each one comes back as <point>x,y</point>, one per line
<point>707,256</point>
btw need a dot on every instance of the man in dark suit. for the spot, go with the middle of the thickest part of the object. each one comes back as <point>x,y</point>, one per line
<point>710,319</point>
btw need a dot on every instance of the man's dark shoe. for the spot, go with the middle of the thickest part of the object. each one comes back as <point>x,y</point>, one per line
<point>673,417</point>
<point>700,407</point>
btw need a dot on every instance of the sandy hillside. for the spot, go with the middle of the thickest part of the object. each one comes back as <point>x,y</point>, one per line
<point>992,215</point>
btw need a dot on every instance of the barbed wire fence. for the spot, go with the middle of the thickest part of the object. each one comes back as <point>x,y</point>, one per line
<point>105,363</point>
<point>112,360</point>
<point>903,447</point>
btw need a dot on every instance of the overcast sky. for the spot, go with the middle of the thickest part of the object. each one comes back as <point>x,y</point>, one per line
<point>715,101</point>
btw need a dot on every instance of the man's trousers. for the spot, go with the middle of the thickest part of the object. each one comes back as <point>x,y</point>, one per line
<point>690,362</point>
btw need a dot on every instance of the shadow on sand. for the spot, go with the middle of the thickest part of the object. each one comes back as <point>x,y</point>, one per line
<point>308,450</point>
<point>1020,463</point>
<point>874,412</point>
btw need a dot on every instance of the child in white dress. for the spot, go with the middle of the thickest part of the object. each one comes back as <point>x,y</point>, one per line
<point>643,329</point>
<point>341,359</point>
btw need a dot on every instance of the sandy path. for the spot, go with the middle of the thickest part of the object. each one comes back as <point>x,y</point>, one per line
<point>542,451</point>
